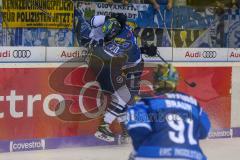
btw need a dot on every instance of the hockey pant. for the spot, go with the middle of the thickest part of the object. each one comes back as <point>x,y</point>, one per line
<point>121,85</point>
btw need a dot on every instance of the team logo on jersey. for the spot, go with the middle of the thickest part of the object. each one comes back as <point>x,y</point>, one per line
<point>119,79</point>
<point>119,40</point>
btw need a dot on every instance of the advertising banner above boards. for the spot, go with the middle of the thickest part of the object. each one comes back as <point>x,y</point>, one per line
<point>63,54</point>
<point>106,9</point>
<point>196,55</point>
<point>37,14</point>
<point>234,54</point>
<point>200,54</point>
<point>90,9</point>
<point>146,16</point>
<point>22,54</point>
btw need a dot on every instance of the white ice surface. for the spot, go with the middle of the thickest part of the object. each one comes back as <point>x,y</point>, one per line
<point>219,149</point>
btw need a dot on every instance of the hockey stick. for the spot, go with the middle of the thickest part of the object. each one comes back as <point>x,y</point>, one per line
<point>190,84</point>
<point>145,50</point>
<point>165,26</point>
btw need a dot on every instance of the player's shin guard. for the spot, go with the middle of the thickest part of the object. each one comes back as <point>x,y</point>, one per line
<point>118,105</point>
<point>116,109</point>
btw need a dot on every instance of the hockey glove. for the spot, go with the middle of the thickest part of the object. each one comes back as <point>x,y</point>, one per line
<point>149,50</point>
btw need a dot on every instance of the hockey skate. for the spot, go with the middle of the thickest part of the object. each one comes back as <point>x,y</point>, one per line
<point>123,137</point>
<point>104,133</point>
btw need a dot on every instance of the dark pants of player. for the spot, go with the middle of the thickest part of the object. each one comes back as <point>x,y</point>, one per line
<point>112,81</point>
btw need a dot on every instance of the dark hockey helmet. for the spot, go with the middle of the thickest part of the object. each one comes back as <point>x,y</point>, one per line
<point>111,28</point>
<point>165,78</point>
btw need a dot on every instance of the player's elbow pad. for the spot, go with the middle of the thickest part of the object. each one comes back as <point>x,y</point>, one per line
<point>97,21</point>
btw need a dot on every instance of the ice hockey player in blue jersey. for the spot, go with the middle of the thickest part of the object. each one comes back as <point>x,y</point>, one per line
<point>168,125</point>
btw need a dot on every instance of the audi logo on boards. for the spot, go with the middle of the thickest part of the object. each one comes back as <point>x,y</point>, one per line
<point>209,54</point>
<point>21,53</point>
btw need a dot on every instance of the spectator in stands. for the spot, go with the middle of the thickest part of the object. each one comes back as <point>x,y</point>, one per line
<point>63,38</point>
<point>159,14</point>
<point>158,3</point>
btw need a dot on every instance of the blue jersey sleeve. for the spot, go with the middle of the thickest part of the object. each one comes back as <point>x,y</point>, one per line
<point>138,124</point>
<point>204,125</point>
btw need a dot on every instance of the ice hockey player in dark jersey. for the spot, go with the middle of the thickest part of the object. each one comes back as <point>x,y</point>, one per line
<point>168,125</point>
<point>121,59</point>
